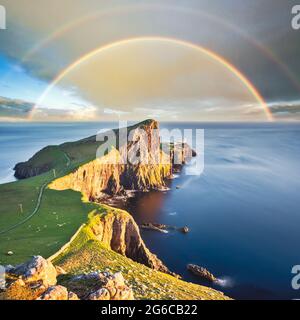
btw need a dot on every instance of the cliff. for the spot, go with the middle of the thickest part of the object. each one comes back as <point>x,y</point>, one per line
<point>117,230</point>
<point>110,174</point>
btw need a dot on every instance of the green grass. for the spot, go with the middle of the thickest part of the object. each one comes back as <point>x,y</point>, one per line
<point>60,215</point>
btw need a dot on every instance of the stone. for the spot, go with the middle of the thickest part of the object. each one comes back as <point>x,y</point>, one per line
<point>101,286</point>
<point>19,290</point>
<point>55,293</point>
<point>201,272</point>
<point>184,229</point>
<point>37,270</point>
<point>72,296</point>
<point>101,294</point>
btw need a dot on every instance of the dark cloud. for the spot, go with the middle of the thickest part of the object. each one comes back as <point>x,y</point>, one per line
<point>14,108</point>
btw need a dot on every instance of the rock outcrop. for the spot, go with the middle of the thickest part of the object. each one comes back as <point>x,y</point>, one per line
<point>119,232</point>
<point>139,164</point>
<point>163,227</point>
<point>201,272</point>
<point>101,286</point>
<point>43,161</point>
<point>36,280</point>
<point>35,271</point>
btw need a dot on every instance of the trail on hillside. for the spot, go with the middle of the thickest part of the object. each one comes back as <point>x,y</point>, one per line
<point>38,203</point>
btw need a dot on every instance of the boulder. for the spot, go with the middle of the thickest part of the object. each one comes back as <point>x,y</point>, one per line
<point>72,296</point>
<point>184,229</point>
<point>55,293</point>
<point>101,294</point>
<point>101,286</point>
<point>19,290</point>
<point>37,271</point>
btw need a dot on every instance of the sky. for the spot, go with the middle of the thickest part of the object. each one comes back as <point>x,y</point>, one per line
<point>177,60</point>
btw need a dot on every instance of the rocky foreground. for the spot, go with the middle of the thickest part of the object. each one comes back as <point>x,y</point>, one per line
<point>37,280</point>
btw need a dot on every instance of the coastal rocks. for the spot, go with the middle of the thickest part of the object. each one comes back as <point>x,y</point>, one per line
<point>162,227</point>
<point>55,293</point>
<point>184,229</point>
<point>155,227</point>
<point>201,272</point>
<point>119,231</point>
<point>36,280</point>
<point>37,270</point>
<point>41,162</point>
<point>30,280</point>
<point>101,294</point>
<point>101,286</point>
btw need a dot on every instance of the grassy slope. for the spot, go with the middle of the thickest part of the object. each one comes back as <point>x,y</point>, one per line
<point>60,215</point>
<point>85,254</point>
<point>42,233</point>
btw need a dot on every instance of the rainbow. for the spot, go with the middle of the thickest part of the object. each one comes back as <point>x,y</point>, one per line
<point>201,49</point>
<point>160,7</point>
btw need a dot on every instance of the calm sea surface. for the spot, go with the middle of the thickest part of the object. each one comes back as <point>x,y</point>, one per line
<point>243,211</point>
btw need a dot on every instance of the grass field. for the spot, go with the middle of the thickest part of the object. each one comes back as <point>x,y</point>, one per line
<point>59,214</point>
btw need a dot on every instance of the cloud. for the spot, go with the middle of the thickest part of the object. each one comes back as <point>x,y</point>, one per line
<point>114,111</point>
<point>14,108</point>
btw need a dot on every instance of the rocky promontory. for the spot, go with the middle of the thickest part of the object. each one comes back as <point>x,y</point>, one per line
<point>139,162</point>
<point>117,229</point>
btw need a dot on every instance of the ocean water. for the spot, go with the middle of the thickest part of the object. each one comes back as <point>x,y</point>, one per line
<point>243,211</point>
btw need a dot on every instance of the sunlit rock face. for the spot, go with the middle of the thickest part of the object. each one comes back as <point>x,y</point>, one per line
<point>146,166</point>
<point>119,232</point>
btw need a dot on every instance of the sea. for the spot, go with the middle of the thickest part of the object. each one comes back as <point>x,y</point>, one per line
<point>242,211</point>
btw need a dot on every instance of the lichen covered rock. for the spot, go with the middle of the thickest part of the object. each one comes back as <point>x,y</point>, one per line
<point>36,280</point>
<point>36,271</point>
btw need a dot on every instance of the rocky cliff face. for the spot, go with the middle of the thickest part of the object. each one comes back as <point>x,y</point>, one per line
<point>117,229</point>
<point>111,175</point>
